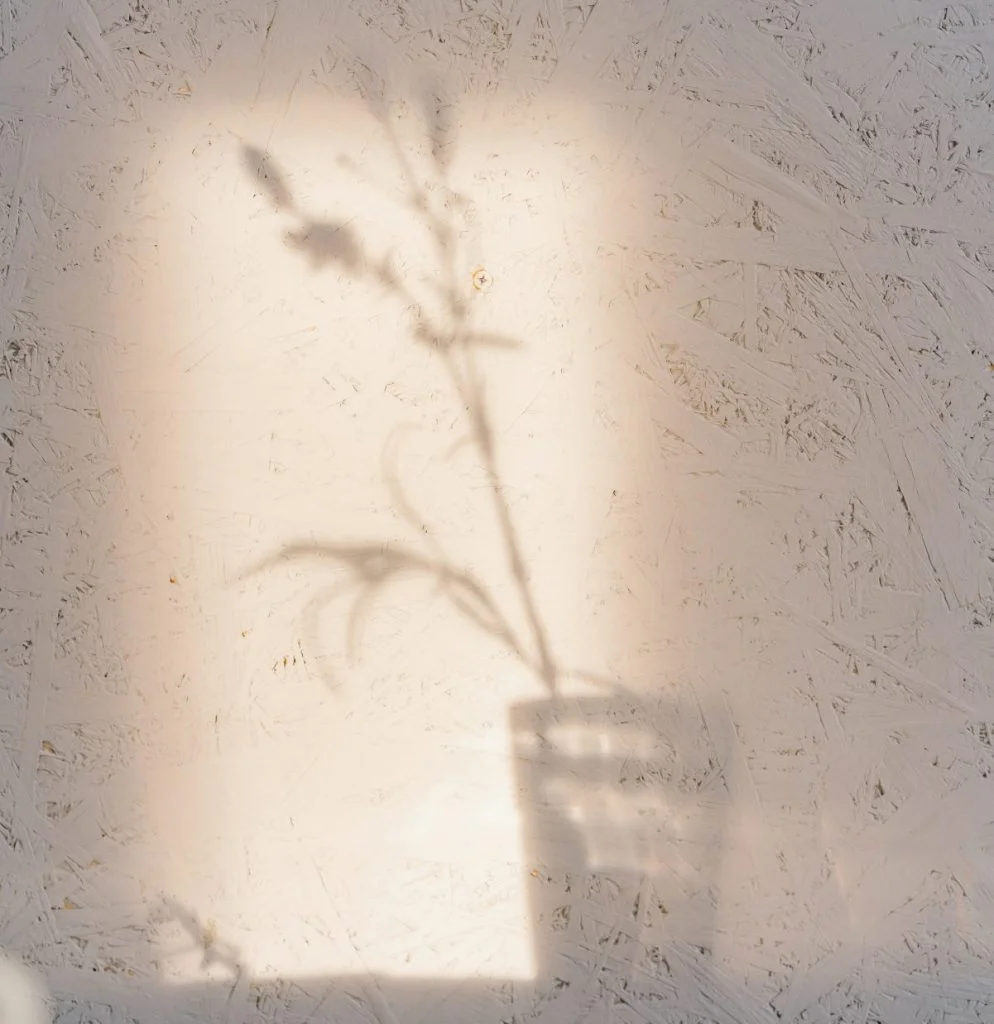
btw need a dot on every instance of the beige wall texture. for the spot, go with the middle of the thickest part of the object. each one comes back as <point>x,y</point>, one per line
<point>495,512</point>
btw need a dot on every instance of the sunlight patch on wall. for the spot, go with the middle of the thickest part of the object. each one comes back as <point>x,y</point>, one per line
<point>342,440</point>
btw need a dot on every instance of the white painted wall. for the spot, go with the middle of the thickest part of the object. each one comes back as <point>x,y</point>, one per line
<point>608,644</point>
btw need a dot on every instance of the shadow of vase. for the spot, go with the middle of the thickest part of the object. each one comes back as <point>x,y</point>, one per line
<point>622,809</point>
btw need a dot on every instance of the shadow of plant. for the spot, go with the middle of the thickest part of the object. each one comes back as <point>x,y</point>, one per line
<point>373,565</point>
<point>203,937</point>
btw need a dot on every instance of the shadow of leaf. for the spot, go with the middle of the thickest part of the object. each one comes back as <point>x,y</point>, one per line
<point>263,170</point>
<point>426,334</point>
<point>374,566</point>
<point>327,242</point>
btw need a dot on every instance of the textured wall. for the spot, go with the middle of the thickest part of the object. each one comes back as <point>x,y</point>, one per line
<point>604,638</point>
